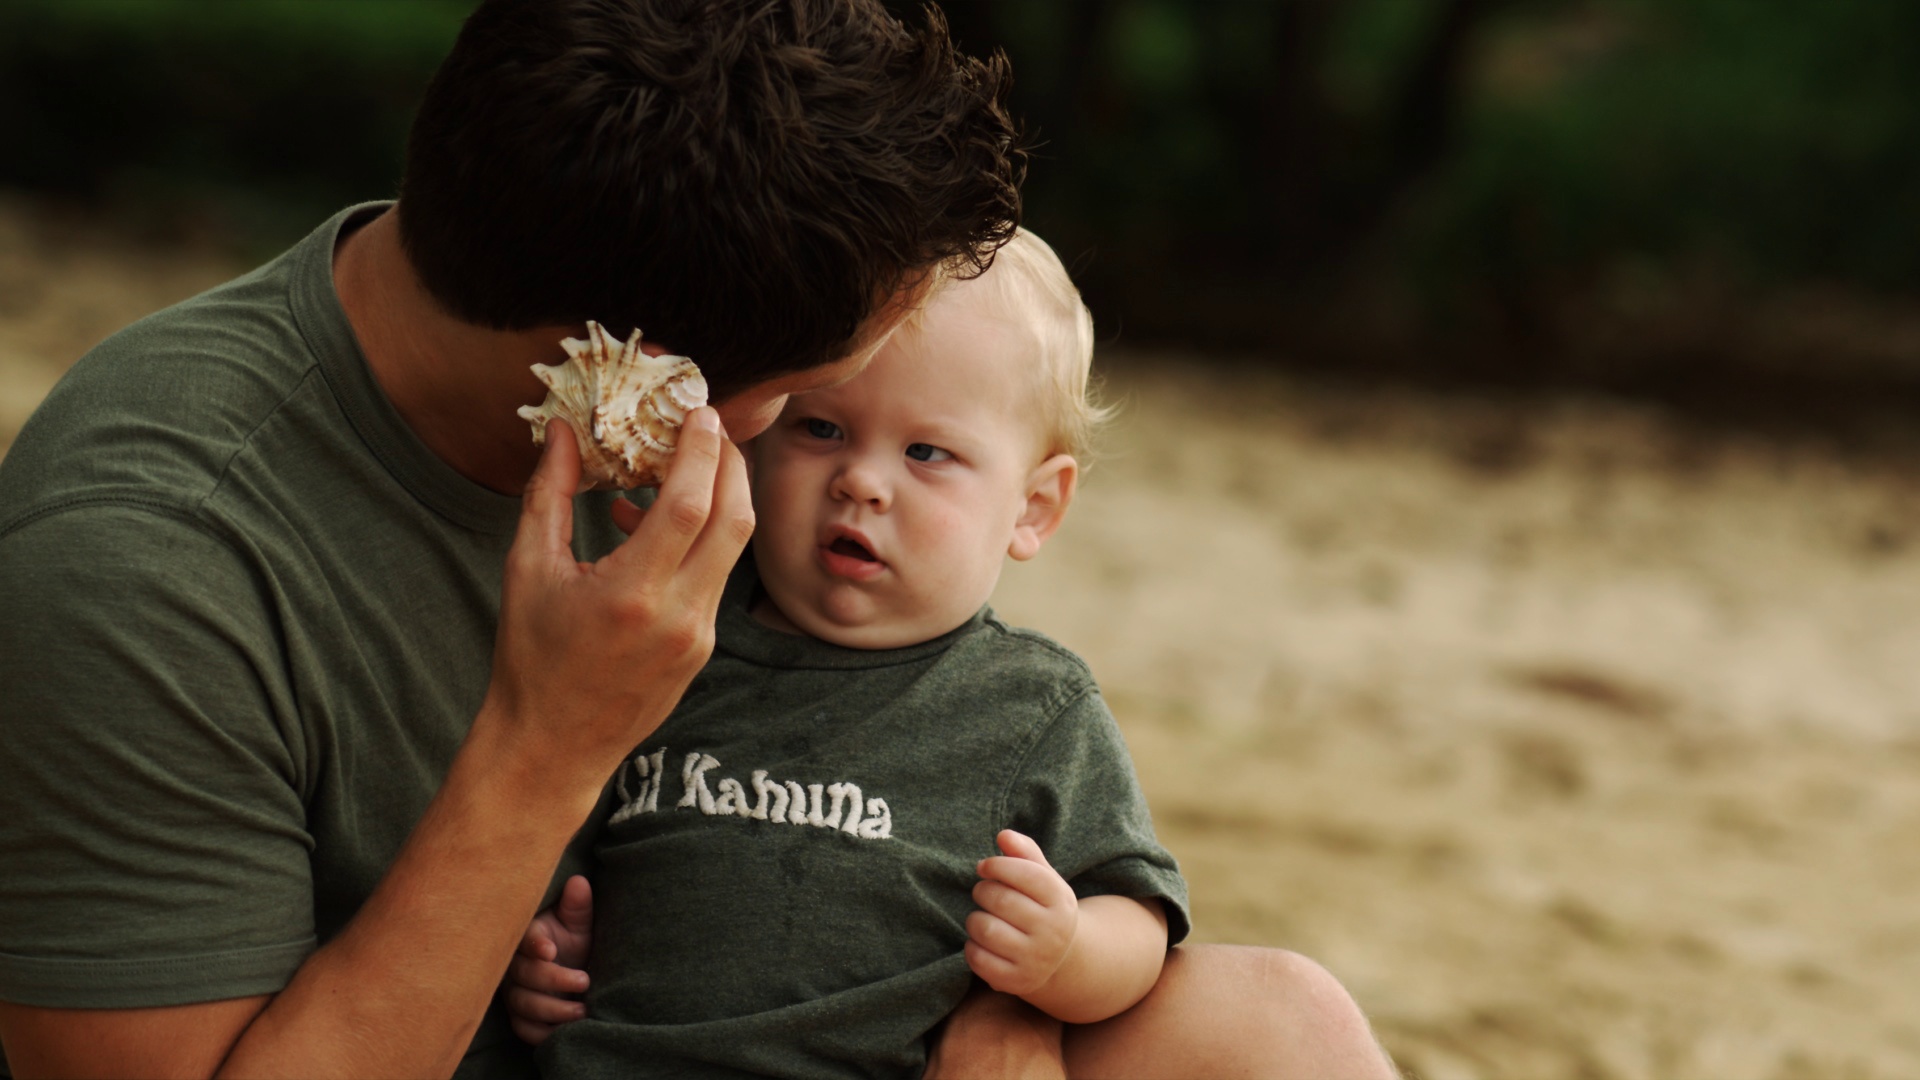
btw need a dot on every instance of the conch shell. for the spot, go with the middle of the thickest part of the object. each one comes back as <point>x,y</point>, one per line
<point>625,407</point>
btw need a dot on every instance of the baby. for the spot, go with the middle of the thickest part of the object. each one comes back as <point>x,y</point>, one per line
<point>790,878</point>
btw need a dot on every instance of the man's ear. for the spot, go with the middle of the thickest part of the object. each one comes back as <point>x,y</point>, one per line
<point>1050,489</point>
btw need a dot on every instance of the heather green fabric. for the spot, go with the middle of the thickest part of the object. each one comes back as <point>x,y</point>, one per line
<point>246,618</point>
<point>731,940</point>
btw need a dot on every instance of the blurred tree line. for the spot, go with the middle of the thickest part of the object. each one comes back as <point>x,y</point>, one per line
<point>1620,192</point>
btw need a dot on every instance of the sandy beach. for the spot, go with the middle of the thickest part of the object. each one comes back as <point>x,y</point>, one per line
<point>1577,741</point>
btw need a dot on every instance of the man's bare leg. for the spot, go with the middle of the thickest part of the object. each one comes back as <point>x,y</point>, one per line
<point>1234,1011</point>
<point>994,1036</point>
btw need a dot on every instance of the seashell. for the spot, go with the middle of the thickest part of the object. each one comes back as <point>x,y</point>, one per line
<point>625,407</point>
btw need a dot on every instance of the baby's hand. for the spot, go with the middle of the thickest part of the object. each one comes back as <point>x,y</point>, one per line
<point>545,977</point>
<point>1027,918</point>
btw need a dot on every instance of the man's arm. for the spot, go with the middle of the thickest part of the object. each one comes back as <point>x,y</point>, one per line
<point>176,1041</point>
<point>589,659</point>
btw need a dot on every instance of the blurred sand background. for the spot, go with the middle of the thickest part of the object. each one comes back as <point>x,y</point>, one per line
<point>1576,741</point>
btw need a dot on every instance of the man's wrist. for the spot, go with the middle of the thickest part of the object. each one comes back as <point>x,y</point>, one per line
<point>547,785</point>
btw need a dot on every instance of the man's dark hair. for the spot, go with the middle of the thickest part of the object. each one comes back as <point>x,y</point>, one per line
<point>745,180</point>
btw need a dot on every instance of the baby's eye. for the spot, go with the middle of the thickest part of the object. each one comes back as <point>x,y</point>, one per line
<point>822,429</point>
<point>926,452</point>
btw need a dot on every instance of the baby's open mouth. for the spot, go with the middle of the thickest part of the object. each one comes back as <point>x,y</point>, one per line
<point>852,549</point>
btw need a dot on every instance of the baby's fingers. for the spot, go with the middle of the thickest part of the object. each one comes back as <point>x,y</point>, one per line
<point>530,1033</point>
<point>997,936</point>
<point>1020,846</point>
<point>1016,908</point>
<point>998,971</point>
<point>1035,879</point>
<point>545,977</point>
<point>537,942</point>
<point>1004,956</point>
<point>542,1008</point>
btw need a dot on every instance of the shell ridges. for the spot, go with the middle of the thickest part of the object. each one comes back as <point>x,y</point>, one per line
<point>624,406</point>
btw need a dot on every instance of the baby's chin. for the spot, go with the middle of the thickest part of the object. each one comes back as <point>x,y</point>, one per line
<point>867,629</point>
<point>877,634</point>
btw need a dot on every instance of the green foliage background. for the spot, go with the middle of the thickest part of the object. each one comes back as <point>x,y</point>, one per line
<point>1335,179</point>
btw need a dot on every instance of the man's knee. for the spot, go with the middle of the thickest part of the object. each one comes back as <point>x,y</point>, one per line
<point>1299,984</point>
<point>1280,1006</point>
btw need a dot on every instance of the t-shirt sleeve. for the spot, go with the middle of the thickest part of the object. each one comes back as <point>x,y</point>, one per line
<point>1077,795</point>
<point>153,849</point>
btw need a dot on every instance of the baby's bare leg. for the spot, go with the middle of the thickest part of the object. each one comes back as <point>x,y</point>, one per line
<point>1234,1011</point>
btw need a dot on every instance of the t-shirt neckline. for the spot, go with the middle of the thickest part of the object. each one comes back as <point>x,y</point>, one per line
<point>323,323</point>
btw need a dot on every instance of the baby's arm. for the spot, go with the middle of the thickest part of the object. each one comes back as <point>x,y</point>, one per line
<point>1077,960</point>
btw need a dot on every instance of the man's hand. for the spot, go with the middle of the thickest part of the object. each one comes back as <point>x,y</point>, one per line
<point>591,657</point>
<point>1027,918</point>
<point>546,978</point>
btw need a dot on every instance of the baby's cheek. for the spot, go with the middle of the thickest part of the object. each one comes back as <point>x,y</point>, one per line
<point>955,521</point>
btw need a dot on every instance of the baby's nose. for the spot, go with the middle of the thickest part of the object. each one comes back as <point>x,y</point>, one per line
<point>862,482</point>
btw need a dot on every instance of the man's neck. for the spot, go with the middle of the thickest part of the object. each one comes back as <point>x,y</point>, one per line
<point>455,384</point>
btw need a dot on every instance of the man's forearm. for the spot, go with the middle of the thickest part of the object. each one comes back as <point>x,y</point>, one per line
<point>401,990</point>
<point>1117,952</point>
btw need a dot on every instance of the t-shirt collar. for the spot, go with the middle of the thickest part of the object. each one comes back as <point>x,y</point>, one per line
<point>323,322</point>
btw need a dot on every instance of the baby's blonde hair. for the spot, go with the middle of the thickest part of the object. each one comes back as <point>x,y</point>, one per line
<point>1028,287</point>
<point>1034,280</point>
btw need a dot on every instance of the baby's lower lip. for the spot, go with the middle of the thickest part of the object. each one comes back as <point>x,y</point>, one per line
<point>849,566</point>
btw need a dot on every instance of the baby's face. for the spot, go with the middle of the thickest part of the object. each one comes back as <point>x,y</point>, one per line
<point>887,505</point>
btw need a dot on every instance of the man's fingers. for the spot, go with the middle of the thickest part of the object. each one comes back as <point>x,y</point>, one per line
<point>729,522</point>
<point>546,505</point>
<point>679,513</point>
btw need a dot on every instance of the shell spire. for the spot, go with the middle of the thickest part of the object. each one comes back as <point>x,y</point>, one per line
<point>625,407</point>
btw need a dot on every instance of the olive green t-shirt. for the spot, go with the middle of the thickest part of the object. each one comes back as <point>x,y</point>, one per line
<point>246,618</point>
<point>786,870</point>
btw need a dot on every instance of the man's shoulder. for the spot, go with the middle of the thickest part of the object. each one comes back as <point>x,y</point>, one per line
<point>152,415</point>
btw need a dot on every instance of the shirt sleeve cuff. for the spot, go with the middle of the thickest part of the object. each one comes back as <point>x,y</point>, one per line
<point>62,983</point>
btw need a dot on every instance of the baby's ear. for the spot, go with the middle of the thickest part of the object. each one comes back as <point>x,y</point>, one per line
<point>1049,490</point>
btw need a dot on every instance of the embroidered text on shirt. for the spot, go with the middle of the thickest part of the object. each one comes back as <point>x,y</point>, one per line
<point>829,806</point>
